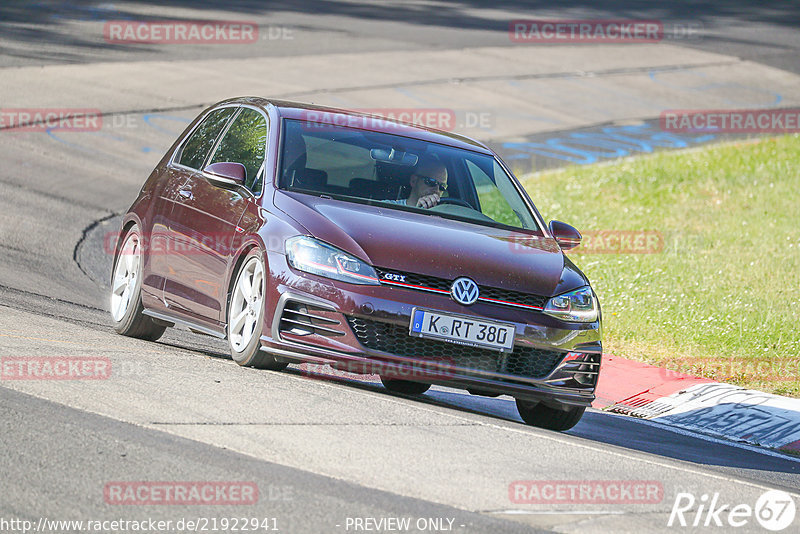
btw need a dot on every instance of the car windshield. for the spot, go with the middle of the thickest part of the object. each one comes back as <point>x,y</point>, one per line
<point>392,171</point>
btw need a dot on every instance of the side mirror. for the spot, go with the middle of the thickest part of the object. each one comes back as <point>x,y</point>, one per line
<point>565,235</point>
<point>226,171</point>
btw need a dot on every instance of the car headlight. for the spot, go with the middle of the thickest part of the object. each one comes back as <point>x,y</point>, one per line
<point>579,305</point>
<point>315,257</point>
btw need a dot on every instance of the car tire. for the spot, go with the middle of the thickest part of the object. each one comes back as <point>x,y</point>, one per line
<point>406,387</point>
<point>542,416</point>
<point>126,291</point>
<point>245,317</point>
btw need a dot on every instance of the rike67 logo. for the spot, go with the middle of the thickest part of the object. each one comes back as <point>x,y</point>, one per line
<point>774,510</point>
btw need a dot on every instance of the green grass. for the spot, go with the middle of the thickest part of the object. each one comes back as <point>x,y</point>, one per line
<point>722,299</point>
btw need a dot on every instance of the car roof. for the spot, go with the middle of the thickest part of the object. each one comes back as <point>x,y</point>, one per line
<point>364,121</point>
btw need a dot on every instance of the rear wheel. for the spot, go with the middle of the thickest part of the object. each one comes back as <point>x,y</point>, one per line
<point>126,292</point>
<point>405,386</point>
<point>537,414</point>
<point>246,315</point>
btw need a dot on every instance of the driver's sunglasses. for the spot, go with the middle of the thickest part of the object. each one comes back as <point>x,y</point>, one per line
<point>433,182</point>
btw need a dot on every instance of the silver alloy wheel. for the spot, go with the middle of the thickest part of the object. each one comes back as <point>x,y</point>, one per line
<point>246,305</point>
<point>126,275</point>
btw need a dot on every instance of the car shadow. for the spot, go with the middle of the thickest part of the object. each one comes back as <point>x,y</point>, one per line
<point>647,436</point>
<point>597,426</point>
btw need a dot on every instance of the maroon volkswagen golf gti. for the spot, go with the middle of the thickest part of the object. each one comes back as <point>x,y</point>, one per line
<point>309,234</point>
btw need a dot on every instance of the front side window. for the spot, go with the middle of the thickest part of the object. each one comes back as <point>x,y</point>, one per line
<point>497,198</point>
<point>245,142</point>
<point>194,151</point>
<point>402,173</point>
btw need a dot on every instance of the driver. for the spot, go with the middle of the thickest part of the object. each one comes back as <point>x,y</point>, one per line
<point>427,182</point>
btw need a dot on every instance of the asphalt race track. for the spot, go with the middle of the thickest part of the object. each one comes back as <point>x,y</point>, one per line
<point>337,454</point>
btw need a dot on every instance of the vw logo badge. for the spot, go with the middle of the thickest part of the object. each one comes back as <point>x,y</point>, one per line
<point>464,291</point>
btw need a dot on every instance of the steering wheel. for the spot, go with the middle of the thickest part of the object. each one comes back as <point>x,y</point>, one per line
<point>456,201</point>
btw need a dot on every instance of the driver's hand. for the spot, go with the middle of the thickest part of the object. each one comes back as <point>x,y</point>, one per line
<point>428,201</point>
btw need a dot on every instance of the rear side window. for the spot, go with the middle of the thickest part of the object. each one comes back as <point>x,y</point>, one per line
<point>245,142</point>
<point>201,141</point>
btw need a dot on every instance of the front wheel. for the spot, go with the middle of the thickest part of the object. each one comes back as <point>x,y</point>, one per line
<point>126,292</point>
<point>537,414</point>
<point>246,315</point>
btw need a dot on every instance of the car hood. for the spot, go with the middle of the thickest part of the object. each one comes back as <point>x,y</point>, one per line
<point>408,242</point>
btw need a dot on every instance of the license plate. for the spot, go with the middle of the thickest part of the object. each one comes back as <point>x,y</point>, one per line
<point>462,330</point>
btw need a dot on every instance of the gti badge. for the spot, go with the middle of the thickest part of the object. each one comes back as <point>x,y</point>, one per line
<point>394,277</point>
<point>464,291</point>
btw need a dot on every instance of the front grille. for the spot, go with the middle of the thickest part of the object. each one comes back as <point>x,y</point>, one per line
<point>418,279</point>
<point>486,292</point>
<point>524,361</point>
<point>515,297</point>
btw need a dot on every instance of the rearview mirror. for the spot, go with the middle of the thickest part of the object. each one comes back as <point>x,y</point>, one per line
<point>227,171</point>
<point>565,235</point>
<point>395,157</point>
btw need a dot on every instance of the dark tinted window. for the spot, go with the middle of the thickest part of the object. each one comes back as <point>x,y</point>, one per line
<point>202,140</point>
<point>245,142</point>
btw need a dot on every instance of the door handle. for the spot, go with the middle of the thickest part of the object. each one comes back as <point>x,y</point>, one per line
<point>186,193</point>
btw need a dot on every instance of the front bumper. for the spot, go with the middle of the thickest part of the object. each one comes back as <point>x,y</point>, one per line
<point>364,329</point>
